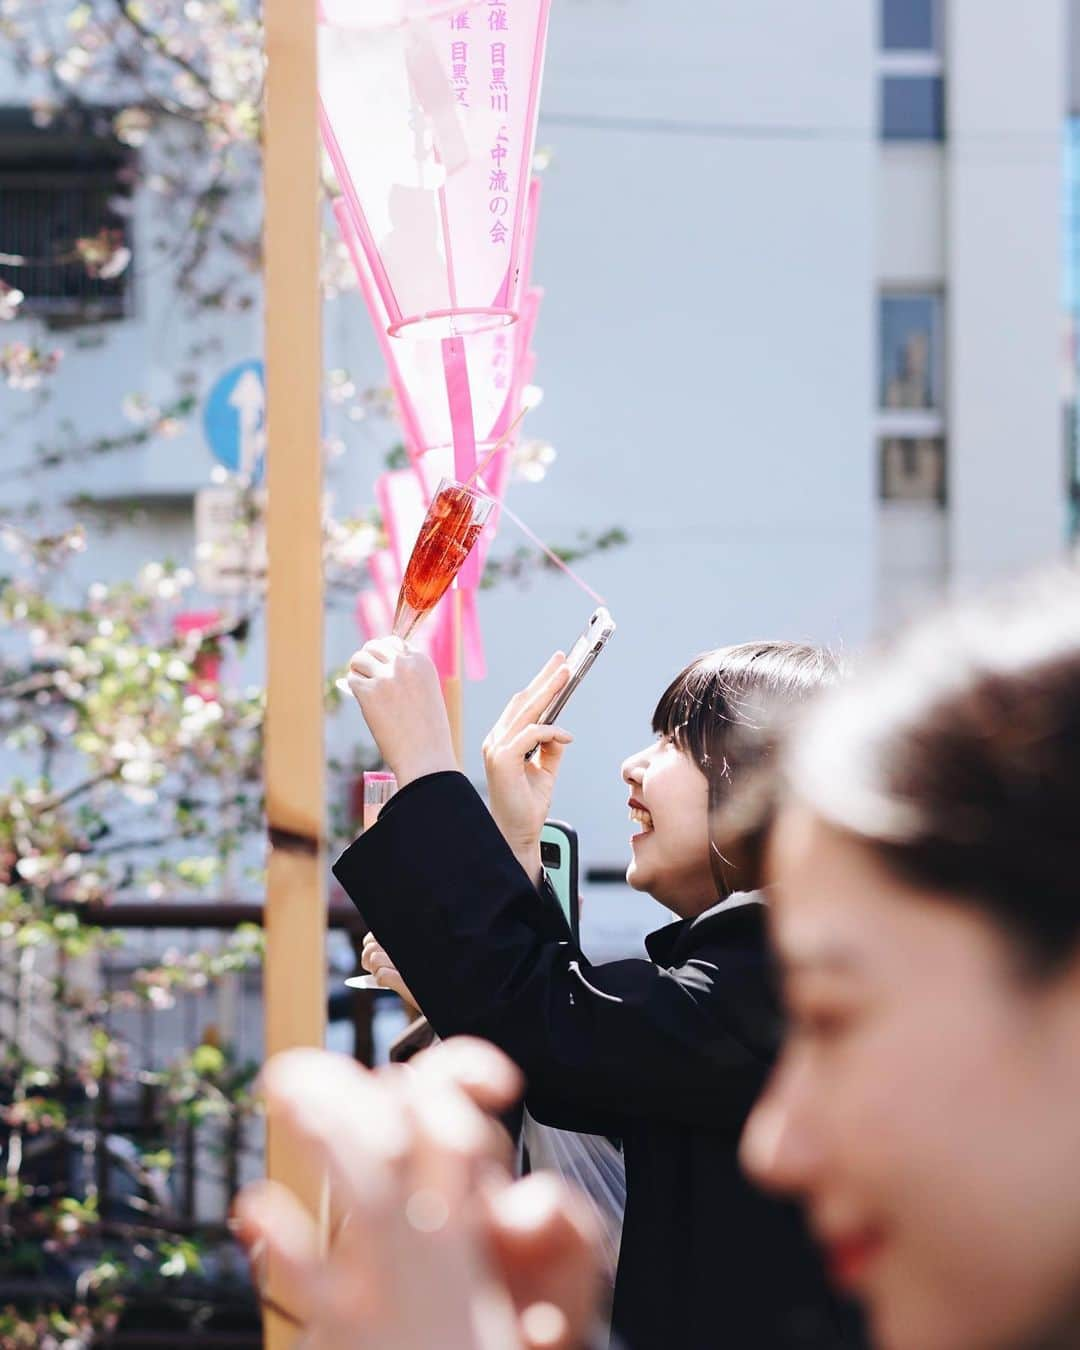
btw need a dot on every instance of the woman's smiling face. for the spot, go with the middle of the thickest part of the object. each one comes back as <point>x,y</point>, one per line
<point>669,803</point>
<point>926,1109</point>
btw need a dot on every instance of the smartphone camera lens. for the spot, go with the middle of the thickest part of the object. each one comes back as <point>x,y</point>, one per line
<point>550,854</point>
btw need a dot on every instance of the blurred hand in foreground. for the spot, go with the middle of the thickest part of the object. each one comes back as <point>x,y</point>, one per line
<point>520,790</point>
<point>431,1243</point>
<point>398,693</point>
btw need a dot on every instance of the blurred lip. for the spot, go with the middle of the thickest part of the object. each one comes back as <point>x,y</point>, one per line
<point>848,1256</point>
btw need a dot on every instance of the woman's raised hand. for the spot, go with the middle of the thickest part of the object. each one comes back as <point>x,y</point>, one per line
<point>519,790</point>
<point>398,692</point>
<point>430,1243</point>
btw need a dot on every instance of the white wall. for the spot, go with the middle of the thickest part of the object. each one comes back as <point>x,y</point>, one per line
<point>1006,99</point>
<point>911,201</point>
<point>912,542</point>
<point>913,552</point>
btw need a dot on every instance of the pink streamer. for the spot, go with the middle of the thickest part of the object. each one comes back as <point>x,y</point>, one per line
<point>443,651</point>
<point>402,503</point>
<point>461,412</point>
<point>471,640</point>
<point>461,422</point>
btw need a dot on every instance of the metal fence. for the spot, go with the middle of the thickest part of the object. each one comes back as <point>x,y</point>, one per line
<point>133,1110</point>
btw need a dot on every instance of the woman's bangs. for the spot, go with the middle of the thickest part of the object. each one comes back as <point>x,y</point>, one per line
<point>686,712</point>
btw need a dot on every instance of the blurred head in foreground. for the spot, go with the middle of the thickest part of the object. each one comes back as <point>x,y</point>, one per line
<point>923,842</point>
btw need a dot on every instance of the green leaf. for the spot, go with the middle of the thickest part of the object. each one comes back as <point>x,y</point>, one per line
<point>178,1259</point>
<point>208,1061</point>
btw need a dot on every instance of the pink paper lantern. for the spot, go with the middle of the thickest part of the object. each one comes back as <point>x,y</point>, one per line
<point>433,404</point>
<point>419,372</point>
<point>428,113</point>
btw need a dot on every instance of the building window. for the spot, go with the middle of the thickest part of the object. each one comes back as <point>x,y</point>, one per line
<point>911,403</point>
<point>912,469</point>
<point>64,236</point>
<point>909,25</point>
<point>910,358</point>
<point>912,71</point>
<point>1072,460</point>
<point>912,108</point>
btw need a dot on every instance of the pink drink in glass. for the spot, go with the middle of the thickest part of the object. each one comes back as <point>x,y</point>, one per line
<point>450,530</point>
<point>378,789</point>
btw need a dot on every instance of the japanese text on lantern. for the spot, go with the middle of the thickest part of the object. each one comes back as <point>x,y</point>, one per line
<point>499,186</point>
<point>459,58</point>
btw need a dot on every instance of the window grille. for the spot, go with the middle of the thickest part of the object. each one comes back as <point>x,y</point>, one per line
<point>56,188</point>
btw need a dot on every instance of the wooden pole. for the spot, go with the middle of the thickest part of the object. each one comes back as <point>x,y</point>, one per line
<point>294,982</point>
<point>452,686</point>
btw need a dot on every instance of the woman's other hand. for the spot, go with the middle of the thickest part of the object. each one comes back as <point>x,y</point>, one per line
<point>398,693</point>
<point>377,963</point>
<point>520,790</point>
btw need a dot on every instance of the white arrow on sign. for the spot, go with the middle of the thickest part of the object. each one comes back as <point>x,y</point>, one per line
<point>249,400</point>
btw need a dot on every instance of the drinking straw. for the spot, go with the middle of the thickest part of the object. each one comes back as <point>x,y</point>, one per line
<point>495,449</point>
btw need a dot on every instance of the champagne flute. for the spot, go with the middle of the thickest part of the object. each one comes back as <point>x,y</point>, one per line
<point>450,530</point>
<point>457,514</point>
<point>378,789</point>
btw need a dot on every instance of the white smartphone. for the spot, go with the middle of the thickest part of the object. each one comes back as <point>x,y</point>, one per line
<point>580,659</point>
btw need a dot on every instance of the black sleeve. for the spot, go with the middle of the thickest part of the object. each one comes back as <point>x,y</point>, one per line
<point>437,882</point>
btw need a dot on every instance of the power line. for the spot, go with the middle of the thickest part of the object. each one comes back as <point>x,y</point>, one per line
<point>718,130</point>
<point>750,131</point>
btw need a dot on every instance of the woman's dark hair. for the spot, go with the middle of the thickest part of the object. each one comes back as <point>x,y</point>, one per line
<point>727,709</point>
<point>955,758</point>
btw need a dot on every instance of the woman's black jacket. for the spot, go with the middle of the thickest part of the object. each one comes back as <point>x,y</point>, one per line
<point>667,1054</point>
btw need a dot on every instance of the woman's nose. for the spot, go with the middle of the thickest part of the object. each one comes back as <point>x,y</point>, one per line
<point>633,768</point>
<point>778,1150</point>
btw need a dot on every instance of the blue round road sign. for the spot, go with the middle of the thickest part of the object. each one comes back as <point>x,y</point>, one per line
<point>234,420</point>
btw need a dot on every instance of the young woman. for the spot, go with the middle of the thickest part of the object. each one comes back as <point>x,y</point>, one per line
<point>669,1053</point>
<point>926,909</point>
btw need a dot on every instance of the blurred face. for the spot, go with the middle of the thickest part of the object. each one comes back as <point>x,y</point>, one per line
<point>926,1109</point>
<point>669,807</point>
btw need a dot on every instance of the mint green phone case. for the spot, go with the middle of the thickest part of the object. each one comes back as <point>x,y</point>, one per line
<point>559,855</point>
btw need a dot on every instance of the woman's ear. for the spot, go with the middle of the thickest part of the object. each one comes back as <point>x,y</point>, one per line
<point>739,832</point>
